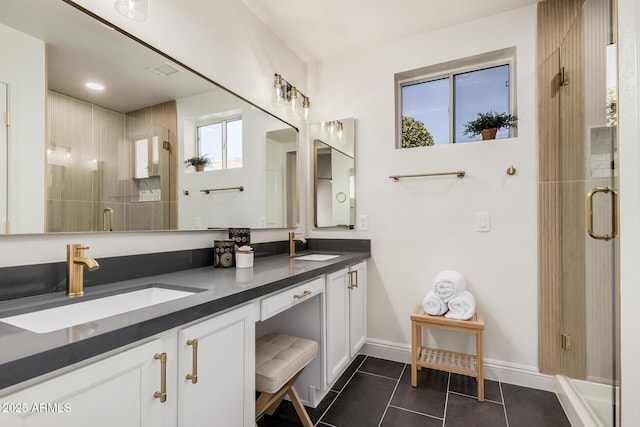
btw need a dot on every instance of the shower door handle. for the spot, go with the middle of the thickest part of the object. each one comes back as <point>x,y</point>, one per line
<point>614,213</point>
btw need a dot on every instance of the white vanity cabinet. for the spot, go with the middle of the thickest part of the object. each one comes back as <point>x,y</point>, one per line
<point>147,385</point>
<point>216,371</point>
<point>116,391</point>
<point>346,317</point>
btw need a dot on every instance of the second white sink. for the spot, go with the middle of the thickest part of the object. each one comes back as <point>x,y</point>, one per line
<point>316,257</point>
<point>64,316</point>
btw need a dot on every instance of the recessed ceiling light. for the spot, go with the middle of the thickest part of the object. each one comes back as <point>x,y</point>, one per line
<point>94,86</point>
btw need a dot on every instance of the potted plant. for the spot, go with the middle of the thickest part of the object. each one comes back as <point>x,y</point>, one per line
<point>199,162</point>
<point>488,124</point>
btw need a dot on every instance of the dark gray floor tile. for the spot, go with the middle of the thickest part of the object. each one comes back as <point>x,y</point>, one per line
<point>469,386</point>
<point>386,368</point>
<point>362,401</point>
<point>400,418</point>
<point>465,411</point>
<point>430,395</point>
<point>287,415</point>
<point>528,407</point>
<point>348,373</point>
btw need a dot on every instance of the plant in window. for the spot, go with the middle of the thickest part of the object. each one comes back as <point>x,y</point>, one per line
<point>487,124</point>
<point>199,162</point>
<point>414,134</point>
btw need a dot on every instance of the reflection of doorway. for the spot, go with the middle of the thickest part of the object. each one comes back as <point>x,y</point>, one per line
<point>4,148</point>
<point>281,179</point>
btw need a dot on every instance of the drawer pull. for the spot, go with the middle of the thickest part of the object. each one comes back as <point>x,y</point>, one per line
<point>353,283</point>
<point>302,295</point>
<point>162,394</point>
<point>193,376</point>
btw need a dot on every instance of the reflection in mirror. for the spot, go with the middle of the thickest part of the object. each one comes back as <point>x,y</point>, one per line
<point>334,173</point>
<point>114,151</point>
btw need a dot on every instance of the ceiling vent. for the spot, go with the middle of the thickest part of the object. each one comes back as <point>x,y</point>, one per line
<point>164,69</point>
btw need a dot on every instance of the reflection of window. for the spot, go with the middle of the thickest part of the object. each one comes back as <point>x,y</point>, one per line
<point>442,98</point>
<point>221,141</point>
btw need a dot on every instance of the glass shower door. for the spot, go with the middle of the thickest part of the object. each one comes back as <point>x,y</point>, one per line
<point>587,87</point>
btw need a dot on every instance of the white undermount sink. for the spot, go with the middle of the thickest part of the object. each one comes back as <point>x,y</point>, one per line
<point>317,257</point>
<point>64,316</point>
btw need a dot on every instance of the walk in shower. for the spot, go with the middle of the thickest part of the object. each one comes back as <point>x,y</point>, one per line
<point>578,183</point>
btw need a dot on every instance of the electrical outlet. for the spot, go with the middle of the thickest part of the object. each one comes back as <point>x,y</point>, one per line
<point>363,222</point>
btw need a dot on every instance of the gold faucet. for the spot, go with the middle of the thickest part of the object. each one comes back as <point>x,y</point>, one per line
<point>292,243</point>
<point>76,261</point>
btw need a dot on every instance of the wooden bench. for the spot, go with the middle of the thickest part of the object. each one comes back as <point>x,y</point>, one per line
<point>459,363</point>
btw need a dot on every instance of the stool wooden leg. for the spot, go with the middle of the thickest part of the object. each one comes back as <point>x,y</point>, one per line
<point>416,338</point>
<point>480,361</point>
<point>299,407</point>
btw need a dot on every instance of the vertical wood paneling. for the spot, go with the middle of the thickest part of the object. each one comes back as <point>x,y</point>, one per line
<point>556,162</point>
<point>166,116</point>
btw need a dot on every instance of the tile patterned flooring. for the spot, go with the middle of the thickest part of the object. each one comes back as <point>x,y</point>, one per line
<point>376,392</point>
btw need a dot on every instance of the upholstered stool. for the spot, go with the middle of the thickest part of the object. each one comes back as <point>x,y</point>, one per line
<point>280,359</point>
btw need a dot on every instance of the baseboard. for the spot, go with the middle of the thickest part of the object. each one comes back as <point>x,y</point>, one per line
<point>496,370</point>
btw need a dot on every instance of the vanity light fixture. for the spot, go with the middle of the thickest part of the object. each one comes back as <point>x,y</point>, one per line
<point>334,128</point>
<point>132,9</point>
<point>286,93</point>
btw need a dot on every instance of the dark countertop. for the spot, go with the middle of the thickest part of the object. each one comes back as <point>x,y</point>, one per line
<point>25,355</point>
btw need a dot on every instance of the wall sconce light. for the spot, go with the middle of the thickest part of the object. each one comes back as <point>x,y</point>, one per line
<point>286,93</point>
<point>132,9</point>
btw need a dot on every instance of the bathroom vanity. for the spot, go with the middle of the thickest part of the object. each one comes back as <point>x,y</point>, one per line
<point>188,360</point>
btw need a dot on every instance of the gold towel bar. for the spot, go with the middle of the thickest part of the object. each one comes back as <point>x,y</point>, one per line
<point>208,190</point>
<point>459,174</point>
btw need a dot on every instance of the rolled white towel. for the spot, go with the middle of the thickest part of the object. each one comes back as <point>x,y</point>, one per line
<point>448,284</point>
<point>462,307</point>
<point>433,305</point>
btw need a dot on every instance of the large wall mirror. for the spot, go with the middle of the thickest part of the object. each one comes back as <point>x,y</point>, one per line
<point>101,126</point>
<point>334,173</point>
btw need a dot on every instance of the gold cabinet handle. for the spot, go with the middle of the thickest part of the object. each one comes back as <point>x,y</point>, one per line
<point>162,394</point>
<point>302,295</point>
<point>193,376</point>
<point>353,283</point>
<point>614,213</point>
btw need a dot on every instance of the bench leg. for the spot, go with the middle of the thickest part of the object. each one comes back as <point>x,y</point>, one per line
<point>416,344</point>
<point>480,361</point>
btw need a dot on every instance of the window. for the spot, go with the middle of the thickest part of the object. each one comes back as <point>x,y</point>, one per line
<point>221,141</point>
<point>436,102</point>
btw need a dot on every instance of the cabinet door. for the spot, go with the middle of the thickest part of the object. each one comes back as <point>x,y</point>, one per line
<point>116,391</point>
<point>223,393</point>
<point>337,299</point>
<point>357,307</point>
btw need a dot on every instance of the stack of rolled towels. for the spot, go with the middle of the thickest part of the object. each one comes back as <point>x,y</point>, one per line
<point>449,297</point>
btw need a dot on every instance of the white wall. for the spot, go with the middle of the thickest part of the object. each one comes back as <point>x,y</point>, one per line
<point>629,155</point>
<point>22,67</point>
<point>223,41</point>
<point>423,225</point>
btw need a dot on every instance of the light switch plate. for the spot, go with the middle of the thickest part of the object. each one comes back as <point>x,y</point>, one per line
<point>363,222</point>
<point>483,221</point>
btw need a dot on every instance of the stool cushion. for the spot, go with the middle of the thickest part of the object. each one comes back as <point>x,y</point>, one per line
<point>279,358</point>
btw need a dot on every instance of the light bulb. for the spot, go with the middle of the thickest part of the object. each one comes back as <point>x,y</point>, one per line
<point>294,103</point>
<point>340,131</point>
<point>306,106</point>
<point>277,94</point>
<point>133,9</point>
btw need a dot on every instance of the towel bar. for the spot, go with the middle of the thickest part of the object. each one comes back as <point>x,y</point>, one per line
<point>459,174</point>
<point>208,190</point>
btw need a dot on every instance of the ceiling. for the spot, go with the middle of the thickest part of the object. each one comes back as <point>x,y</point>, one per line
<point>319,29</point>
